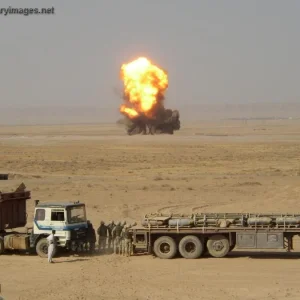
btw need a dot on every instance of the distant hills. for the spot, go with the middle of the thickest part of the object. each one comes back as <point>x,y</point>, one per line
<point>93,114</point>
<point>241,111</point>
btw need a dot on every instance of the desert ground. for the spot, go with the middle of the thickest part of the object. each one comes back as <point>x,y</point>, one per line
<point>221,166</point>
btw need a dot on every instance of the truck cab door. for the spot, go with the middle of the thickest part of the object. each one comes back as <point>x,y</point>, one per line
<point>41,221</point>
<point>47,219</point>
<point>58,223</point>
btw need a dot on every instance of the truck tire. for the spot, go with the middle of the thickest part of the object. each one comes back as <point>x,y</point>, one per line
<point>165,247</point>
<point>218,245</point>
<point>1,245</point>
<point>191,247</point>
<point>42,248</point>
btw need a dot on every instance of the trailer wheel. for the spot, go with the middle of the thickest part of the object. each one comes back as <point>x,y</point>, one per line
<point>1,245</point>
<point>165,247</point>
<point>218,245</point>
<point>191,247</point>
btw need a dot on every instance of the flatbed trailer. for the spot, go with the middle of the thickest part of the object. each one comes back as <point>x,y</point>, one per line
<point>216,233</point>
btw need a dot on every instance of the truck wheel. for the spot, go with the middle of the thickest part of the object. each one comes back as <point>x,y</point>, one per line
<point>218,245</point>
<point>1,245</point>
<point>42,248</point>
<point>165,247</point>
<point>191,247</point>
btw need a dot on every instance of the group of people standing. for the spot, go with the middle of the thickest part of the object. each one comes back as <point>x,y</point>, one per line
<point>112,237</point>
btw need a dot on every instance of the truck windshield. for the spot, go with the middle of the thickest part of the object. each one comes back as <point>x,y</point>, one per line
<point>76,214</point>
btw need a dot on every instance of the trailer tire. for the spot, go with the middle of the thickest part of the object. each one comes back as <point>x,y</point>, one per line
<point>1,245</point>
<point>191,247</point>
<point>165,247</point>
<point>218,245</point>
<point>42,248</point>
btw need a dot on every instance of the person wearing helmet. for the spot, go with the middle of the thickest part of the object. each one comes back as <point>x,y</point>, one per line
<point>110,241</point>
<point>116,234</point>
<point>130,243</point>
<point>123,224</point>
<point>133,224</point>
<point>127,235</point>
<point>102,232</point>
<point>122,241</point>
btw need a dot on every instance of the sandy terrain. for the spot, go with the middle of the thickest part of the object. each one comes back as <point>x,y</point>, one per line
<point>226,166</point>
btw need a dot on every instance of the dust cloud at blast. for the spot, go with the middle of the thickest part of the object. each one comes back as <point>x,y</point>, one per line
<point>144,87</point>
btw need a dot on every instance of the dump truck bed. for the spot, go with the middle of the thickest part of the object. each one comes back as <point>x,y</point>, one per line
<point>13,209</point>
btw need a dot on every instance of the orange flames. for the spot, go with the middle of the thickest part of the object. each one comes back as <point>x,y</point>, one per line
<point>144,84</point>
<point>128,111</point>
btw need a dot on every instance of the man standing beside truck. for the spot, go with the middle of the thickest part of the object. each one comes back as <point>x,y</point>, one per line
<point>51,246</point>
<point>102,232</point>
<point>110,241</point>
<point>132,246</point>
<point>116,233</point>
<point>127,240</point>
<point>91,237</point>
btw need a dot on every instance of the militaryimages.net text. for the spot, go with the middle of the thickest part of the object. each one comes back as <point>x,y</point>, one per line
<point>26,11</point>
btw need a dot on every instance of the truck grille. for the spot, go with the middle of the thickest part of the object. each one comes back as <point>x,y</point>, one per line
<point>78,234</point>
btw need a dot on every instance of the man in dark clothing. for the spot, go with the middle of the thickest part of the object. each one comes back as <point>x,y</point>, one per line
<point>91,237</point>
<point>102,232</point>
<point>110,241</point>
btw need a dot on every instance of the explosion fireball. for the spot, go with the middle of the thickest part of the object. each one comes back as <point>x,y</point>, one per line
<point>144,88</point>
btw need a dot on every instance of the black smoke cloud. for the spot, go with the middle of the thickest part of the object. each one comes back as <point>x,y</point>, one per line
<point>162,120</point>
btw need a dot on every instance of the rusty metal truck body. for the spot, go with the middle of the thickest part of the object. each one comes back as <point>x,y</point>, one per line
<point>214,233</point>
<point>13,209</point>
<point>13,215</point>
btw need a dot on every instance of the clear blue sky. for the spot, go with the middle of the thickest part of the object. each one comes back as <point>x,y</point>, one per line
<point>214,51</point>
